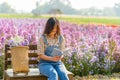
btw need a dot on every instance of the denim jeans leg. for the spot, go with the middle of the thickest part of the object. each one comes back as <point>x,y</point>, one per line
<point>61,70</point>
<point>48,70</point>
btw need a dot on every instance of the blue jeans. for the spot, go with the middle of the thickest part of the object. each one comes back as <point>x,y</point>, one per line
<point>53,70</point>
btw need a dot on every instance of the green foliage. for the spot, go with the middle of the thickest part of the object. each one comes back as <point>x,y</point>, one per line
<point>1,67</point>
<point>53,4</point>
<point>96,20</point>
<point>6,8</point>
<point>18,16</point>
<point>72,63</point>
<point>67,9</point>
<point>71,19</point>
<point>92,11</point>
<point>85,63</point>
<point>117,9</point>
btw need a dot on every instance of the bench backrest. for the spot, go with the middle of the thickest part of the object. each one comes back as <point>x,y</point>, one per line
<point>32,56</point>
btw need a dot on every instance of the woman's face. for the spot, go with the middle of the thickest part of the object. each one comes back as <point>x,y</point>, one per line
<point>53,32</point>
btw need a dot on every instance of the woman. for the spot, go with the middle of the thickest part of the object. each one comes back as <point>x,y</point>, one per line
<point>51,66</point>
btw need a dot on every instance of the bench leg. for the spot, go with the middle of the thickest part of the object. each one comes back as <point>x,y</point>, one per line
<point>4,76</point>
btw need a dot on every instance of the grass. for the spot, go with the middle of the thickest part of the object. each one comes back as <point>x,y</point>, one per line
<point>87,20</point>
<point>114,76</point>
<point>16,16</point>
<point>71,19</point>
<point>110,21</point>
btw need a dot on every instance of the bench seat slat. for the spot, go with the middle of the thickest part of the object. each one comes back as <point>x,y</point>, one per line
<point>33,72</point>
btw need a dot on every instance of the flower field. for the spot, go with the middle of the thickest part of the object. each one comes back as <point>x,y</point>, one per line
<point>95,48</point>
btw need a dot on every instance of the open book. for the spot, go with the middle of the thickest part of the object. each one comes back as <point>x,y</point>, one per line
<point>58,52</point>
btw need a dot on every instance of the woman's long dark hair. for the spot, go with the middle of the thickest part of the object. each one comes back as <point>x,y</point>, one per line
<point>52,21</point>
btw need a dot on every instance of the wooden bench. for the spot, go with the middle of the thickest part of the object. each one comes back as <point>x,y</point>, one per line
<point>33,74</point>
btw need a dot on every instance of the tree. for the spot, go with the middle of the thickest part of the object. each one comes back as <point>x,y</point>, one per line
<point>92,11</point>
<point>117,9</point>
<point>109,11</point>
<point>56,5</point>
<point>36,11</point>
<point>6,8</point>
<point>55,11</point>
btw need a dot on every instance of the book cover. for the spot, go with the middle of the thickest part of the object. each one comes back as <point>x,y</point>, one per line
<point>58,52</point>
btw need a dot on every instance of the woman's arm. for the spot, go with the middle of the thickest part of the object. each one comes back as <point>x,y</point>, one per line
<point>44,57</point>
<point>41,49</point>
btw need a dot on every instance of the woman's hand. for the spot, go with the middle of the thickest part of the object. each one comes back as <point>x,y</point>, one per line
<point>44,57</point>
<point>57,58</point>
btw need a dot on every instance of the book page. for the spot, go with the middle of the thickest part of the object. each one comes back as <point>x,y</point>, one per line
<point>58,52</point>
